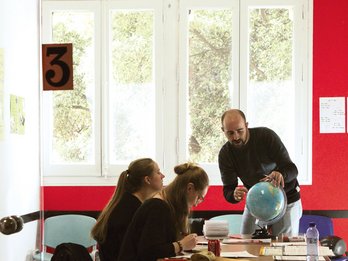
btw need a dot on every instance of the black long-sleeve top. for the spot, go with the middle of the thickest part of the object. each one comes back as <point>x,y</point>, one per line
<point>118,223</point>
<point>262,154</point>
<point>151,233</point>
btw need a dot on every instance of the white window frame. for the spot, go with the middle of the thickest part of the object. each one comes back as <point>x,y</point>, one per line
<point>102,173</point>
<point>171,66</point>
<point>70,170</point>
<point>303,30</point>
<point>108,169</point>
<point>303,76</point>
<point>211,169</point>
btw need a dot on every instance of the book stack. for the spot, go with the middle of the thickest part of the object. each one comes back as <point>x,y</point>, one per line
<point>215,229</point>
<point>292,251</point>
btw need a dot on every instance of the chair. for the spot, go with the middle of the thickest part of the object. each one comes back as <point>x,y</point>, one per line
<point>71,228</point>
<point>324,224</point>
<point>234,222</point>
<point>341,258</point>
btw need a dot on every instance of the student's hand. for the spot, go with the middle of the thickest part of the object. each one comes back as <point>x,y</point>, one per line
<point>239,193</point>
<point>189,241</point>
<point>275,177</point>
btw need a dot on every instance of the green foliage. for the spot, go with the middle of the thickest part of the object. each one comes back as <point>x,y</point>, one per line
<point>132,38</point>
<point>210,74</point>
<point>72,112</point>
<point>270,45</point>
<point>270,33</point>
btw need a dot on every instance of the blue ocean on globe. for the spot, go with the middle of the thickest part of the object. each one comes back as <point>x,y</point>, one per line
<point>266,202</point>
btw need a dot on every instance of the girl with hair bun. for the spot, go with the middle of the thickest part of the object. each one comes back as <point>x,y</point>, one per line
<point>160,227</point>
<point>139,182</point>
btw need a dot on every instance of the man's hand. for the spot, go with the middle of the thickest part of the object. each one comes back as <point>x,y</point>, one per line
<point>275,177</point>
<point>239,193</point>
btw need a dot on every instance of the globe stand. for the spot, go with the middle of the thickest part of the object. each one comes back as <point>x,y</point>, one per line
<point>261,233</point>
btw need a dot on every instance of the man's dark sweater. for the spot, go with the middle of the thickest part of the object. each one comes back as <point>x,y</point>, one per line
<point>262,154</point>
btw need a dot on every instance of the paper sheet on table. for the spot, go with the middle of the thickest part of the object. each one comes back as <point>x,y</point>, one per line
<point>243,241</point>
<point>237,254</point>
<point>288,244</point>
<point>199,248</point>
<point>224,254</point>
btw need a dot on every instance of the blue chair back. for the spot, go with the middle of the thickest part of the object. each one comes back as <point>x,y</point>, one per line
<point>72,228</point>
<point>69,228</point>
<point>234,222</point>
<point>324,224</point>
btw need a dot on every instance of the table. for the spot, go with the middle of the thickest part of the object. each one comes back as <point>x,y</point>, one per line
<point>252,248</point>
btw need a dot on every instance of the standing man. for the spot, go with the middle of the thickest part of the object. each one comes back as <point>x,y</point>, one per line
<point>254,155</point>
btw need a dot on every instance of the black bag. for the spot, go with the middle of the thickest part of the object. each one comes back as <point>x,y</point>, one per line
<point>71,252</point>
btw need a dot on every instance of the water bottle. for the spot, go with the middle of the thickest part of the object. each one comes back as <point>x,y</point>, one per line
<point>312,239</point>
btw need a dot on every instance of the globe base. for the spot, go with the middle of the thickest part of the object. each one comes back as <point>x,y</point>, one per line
<point>261,233</point>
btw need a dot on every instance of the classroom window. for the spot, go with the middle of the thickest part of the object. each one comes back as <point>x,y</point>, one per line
<point>152,80</point>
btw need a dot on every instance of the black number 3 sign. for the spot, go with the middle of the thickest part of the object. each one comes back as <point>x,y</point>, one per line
<point>57,67</point>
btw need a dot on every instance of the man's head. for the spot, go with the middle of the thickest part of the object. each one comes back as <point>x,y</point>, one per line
<point>235,127</point>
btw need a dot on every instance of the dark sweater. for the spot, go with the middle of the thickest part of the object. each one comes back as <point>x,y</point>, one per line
<point>150,234</point>
<point>118,223</point>
<point>263,153</point>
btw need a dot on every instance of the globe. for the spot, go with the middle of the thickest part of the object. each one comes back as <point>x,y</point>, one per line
<point>266,202</point>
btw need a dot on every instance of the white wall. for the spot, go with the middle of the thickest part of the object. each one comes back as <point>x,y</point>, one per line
<point>19,154</point>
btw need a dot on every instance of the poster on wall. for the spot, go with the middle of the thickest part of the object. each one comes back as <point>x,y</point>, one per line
<point>332,115</point>
<point>2,125</point>
<point>17,115</point>
<point>57,67</point>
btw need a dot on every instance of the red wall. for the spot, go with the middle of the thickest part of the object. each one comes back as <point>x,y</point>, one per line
<point>329,190</point>
<point>330,62</point>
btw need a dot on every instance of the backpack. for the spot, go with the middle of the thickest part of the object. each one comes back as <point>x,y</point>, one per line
<point>71,252</point>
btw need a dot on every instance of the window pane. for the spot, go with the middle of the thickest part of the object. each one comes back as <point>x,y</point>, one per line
<point>132,123</point>
<point>210,70</point>
<point>271,88</point>
<point>73,124</point>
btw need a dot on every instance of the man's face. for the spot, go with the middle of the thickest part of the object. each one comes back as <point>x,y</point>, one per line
<point>236,130</point>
